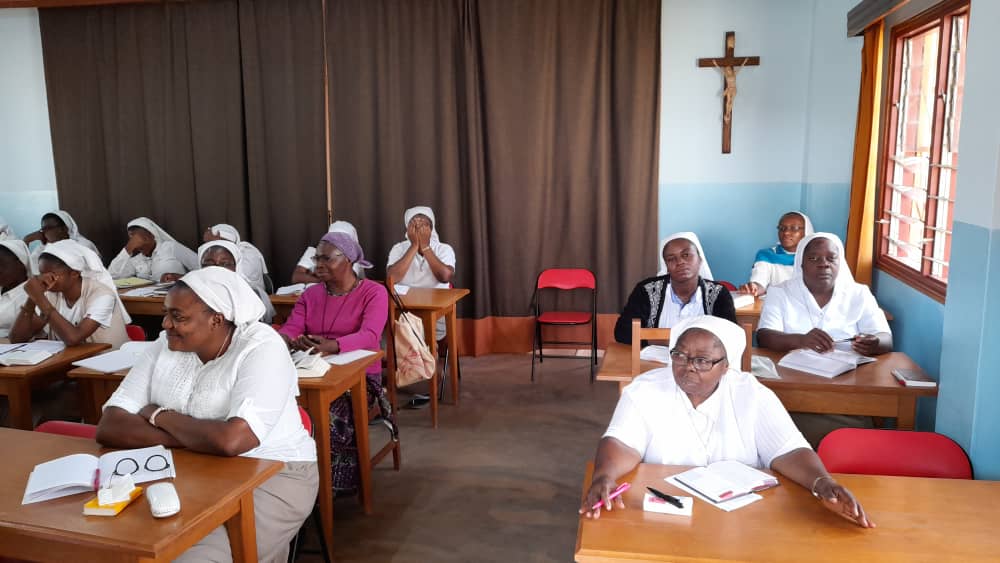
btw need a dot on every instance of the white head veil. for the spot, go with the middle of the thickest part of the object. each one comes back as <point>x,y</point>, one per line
<point>158,233</point>
<point>88,263</point>
<point>20,250</point>
<point>227,232</point>
<point>72,229</point>
<point>226,292</point>
<point>343,227</point>
<point>704,271</point>
<point>6,232</point>
<point>231,247</point>
<point>805,218</point>
<point>422,210</point>
<point>732,336</point>
<point>844,275</point>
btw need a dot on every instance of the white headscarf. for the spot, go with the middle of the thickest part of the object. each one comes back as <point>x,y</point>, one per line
<point>227,232</point>
<point>805,218</point>
<point>732,336</point>
<point>226,292</point>
<point>844,275</point>
<point>229,246</point>
<point>421,210</point>
<point>20,250</point>
<point>704,271</point>
<point>6,232</point>
<point>158,233</point>
<point>88,263</point>
<point>344,227</point>
<point>67,219</point>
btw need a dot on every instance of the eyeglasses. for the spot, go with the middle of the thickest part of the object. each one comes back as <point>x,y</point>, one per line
<point>129,466</point>
<point>790,228</point>
<point>681,360</point>
<point>321,259</point>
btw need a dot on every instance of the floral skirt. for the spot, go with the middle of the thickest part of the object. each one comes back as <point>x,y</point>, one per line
<point>343,448</point>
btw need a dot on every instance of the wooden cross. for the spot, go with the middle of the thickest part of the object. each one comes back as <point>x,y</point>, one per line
<point>729,64</point>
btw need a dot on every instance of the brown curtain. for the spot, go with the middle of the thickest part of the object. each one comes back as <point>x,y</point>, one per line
<point>282,52</point>
<point>146,116</point>
<point>530,127</point>
<point>861,221</point>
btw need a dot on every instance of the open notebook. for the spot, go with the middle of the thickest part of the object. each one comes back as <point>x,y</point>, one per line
<point>118,360</point>
<point>80,473</point>
<point>726,480</point>
<point>829,364</point>
<point>29,353</point>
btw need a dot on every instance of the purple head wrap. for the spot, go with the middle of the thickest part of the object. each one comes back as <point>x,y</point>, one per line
<point>347,245</point>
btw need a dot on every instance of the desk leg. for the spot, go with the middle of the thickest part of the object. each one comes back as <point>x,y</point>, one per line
<point>359,404</point>
<point>89,401</point>
<point>242,531</point>
<point>907,413</point>
<point>452,339</point>
<point>430,323</point>
<point>318,405</point>
<point>19,399</point>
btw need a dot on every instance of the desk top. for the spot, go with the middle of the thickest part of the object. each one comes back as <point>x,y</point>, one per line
<point>204,483</point>
<point>58,362</point>
<point>429,298</point>
<point>874,377</point>
<point>918,520</point>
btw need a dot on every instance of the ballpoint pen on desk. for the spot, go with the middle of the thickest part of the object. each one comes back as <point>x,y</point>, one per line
<point>668,498</point>
<point>614,494</point>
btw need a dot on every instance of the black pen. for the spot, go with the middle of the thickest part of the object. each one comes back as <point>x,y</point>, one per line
<point>664,496</point>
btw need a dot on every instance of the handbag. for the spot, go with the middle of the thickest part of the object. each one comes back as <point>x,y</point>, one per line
<point>414,361</point>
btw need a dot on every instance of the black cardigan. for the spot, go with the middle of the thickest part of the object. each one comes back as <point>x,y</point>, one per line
<point>646,303</point>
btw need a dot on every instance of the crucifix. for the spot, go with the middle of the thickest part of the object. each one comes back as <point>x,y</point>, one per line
<point>730,65</point>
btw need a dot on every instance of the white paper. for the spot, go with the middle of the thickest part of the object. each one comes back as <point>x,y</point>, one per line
<point>50,346</point>
<point>741,300</point>
<point>728,506</point>
<point>293,289</point>
<point>118,360</point>
<point>347,357</point>
<point>4,348</point>
<point>110,460</point>
<point>401,289</point>
<point>763,367</point>
<point>652,503</point>
<point>655,353</point>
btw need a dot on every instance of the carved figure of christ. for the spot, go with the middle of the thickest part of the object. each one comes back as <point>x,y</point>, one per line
<point>730,65</point>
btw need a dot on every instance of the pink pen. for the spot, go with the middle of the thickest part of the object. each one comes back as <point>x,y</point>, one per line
<point>97,479</point>
<point>615,493</point>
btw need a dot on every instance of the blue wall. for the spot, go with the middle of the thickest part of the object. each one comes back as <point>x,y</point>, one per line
<point>916,331</point>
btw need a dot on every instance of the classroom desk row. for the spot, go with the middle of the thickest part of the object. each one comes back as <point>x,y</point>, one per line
<point>869,390</point>
<point>917,519</point>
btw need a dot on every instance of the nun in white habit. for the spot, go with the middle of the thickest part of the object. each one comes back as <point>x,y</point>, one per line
<point>72,299</point>
<point>152,254</point>
<point>683,288</point>
<point>221,383</point>
<point>421,259</point>
<point>15,267</point>
<point>252,265</point>
<point>56,225</point>
<point>228,255</point>
<point>773,265</point>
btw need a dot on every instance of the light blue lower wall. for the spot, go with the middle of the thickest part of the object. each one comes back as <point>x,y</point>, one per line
<point>24,209</point>
<point>916,331</point>
<point>733,220</point>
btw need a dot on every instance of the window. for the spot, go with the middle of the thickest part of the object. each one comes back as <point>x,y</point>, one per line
<point>920,159</point>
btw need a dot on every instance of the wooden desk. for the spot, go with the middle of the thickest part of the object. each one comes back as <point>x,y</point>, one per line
<point>750,314</point>
<point>316,394</point>
<point>918,520</point>
<point>153,306</point>
<point>430,304</point>
<point>213,491</point>
<point>16,381</point>
<point>870,390</point>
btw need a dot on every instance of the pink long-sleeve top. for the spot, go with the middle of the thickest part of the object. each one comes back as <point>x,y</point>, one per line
<point>355,320</point>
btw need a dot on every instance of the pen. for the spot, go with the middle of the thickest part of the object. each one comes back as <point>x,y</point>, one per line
<point>615,493</point>
<point>664,496</point>
<point>97,479</point>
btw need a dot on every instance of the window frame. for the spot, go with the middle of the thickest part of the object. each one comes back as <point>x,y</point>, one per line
<point>939,17</point>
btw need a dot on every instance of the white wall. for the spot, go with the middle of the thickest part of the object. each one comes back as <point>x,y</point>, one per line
<point>27,171</point>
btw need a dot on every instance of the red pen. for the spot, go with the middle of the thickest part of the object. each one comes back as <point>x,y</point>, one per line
<point>614,494</point>
<point>97,479</point>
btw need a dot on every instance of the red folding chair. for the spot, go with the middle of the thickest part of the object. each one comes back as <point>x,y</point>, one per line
<point>135,332</point>
<point>65,428</point>
<point>564,279</point>
<point>894,452</point>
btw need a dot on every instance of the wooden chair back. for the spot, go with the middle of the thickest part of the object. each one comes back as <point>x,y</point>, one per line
<point>639,334</point>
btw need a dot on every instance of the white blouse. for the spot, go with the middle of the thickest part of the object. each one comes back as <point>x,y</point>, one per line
<point>168,257</point>
<point>10,305</point>
<point>766,274</point>
<point>674,310</point>
<point>253,380</point>
<point>790,308</point>
<point>742,420</point>
<point>420,273</point>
